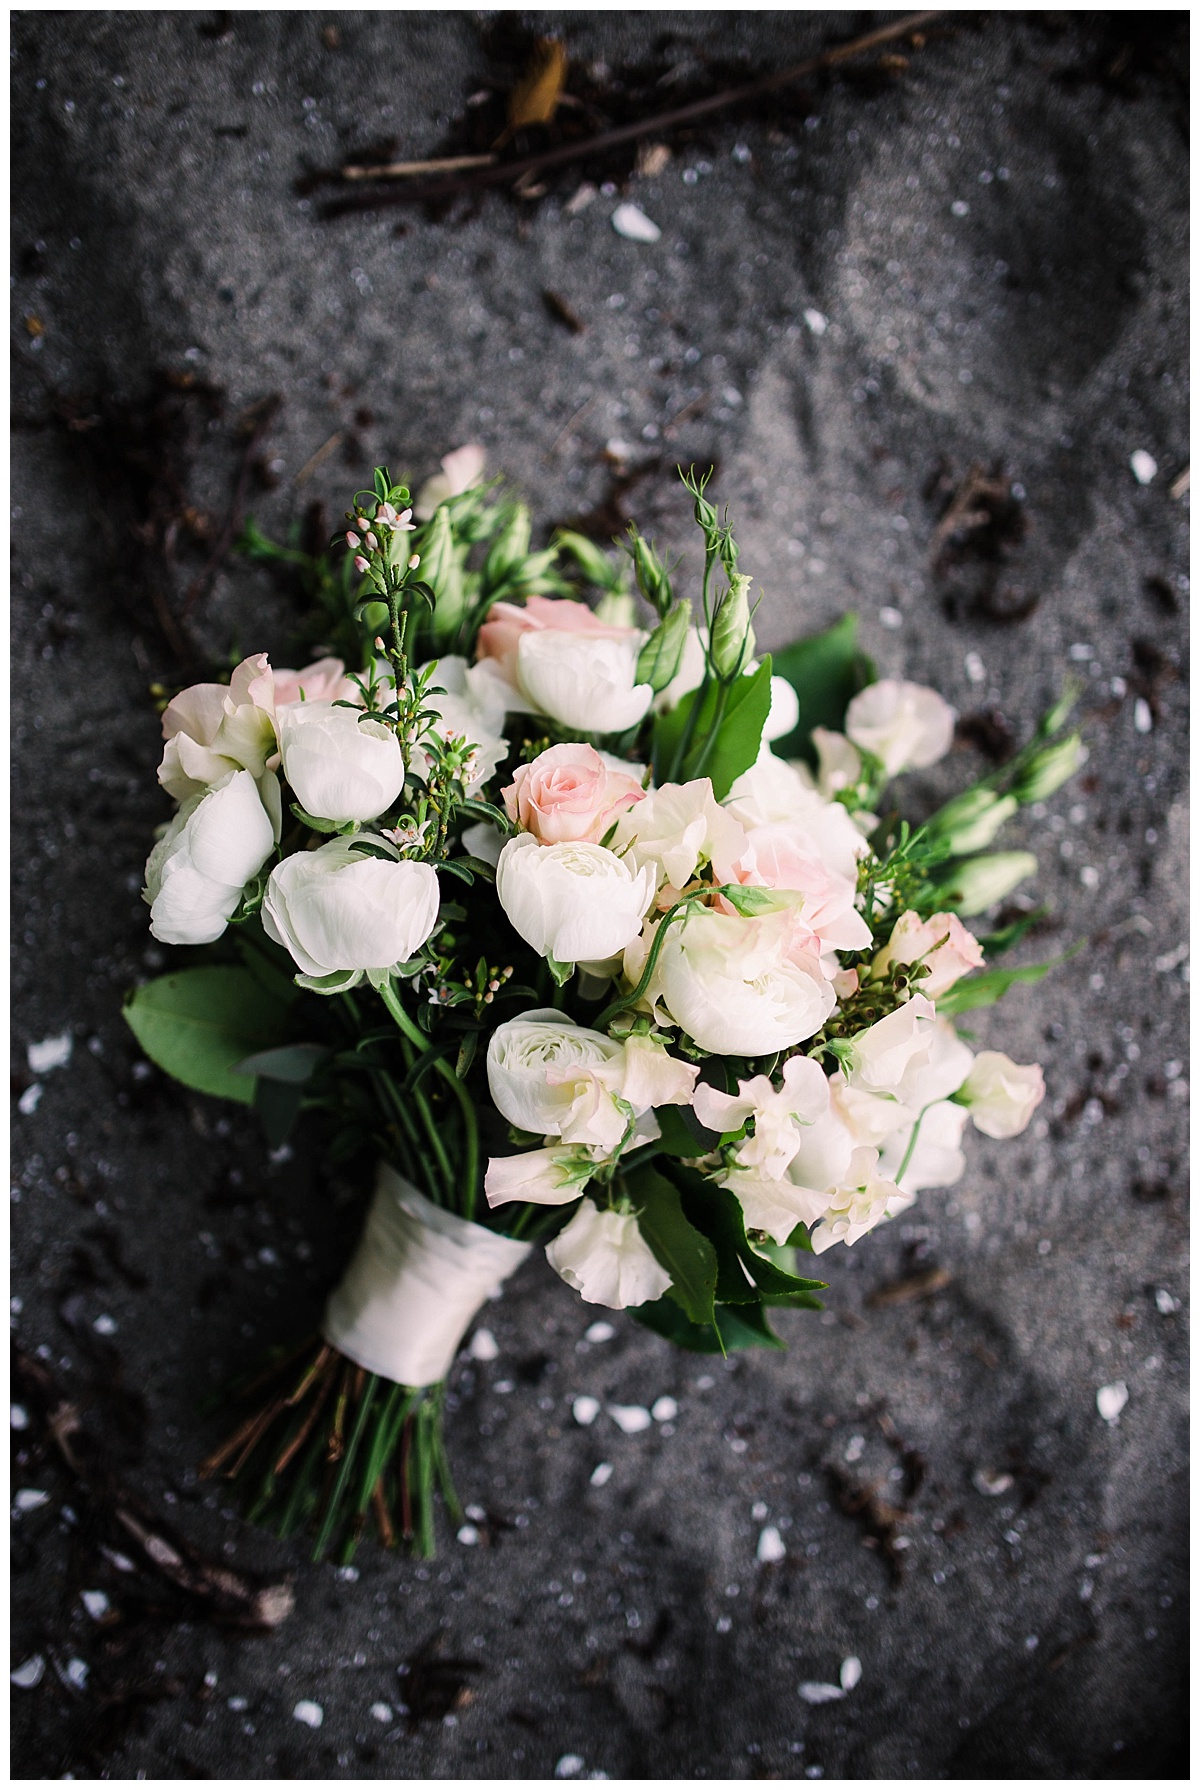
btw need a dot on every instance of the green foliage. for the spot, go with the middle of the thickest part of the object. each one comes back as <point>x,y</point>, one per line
<point>684,1252</point>
<point>986,989</point>
<point>201,1024</point>
<point>662,654</point>
<point>715,731</point>
<point>826,671</point>
<point>743,1327</point>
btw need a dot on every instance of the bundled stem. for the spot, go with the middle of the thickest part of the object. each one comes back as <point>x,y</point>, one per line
<point>329,1446</point>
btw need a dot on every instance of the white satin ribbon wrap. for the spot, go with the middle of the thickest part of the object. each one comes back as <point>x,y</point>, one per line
<point>416,1280</point>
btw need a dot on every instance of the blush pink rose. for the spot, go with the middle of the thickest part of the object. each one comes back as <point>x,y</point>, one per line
<point>500,634</point>
<point>942,943</point>
<point>569,794</point>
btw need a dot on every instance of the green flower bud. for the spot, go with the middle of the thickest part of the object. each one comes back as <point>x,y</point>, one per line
<point>651,574</point>
<point>732,643</point>
<point>971,821</point>
<point>662,654</point>
<point>592,561</point>
<point>617,609</point>
<point>1049,769</point>
<point>442,569</point>
<point>981,882</point>
<point>509,548</point>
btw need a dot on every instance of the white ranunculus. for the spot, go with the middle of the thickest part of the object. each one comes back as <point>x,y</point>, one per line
<point>678,828</point>
<point>738,986</point>
<point>573,902</point>
<point>469,705</point>
<point>1001,1095</point>
<point>905,726</point>
<point>341,767</point>
<point>778,1114</point>
<point>604,1256</point>
<point>548,1177</point>
<point>554,1078</point>
<point>196,873</point>
<point>584,682</point>
<point>775,793</point>
<point>884,1052</point>
<point>936,1159</point>
<point>337,909</point>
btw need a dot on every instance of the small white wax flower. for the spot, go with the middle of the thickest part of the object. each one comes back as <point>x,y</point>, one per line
<point>1111,1401</point>
<point>631,221</point>
<point>771,1547</point>
<point>311,1714</point>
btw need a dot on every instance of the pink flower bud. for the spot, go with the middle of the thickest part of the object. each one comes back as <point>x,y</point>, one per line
<point>352,540</point>
<point>414,562</point>
<point>372,543</point>
<point>361,564</point>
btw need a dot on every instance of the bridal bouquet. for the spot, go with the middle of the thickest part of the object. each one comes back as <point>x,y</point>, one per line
<point>590,927</point>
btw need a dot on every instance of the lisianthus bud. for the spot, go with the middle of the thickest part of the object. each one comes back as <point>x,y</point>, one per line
<point>651,574</point>
<point>592,561</point>
<point>604,1256</point>
<point>509,548</point>
<point>1048,770</point>
<point>1001,1095</point>
<point>617,609</point>
<point>981,882</point>
<point>971,821</point>
<point>732,644</point>
<point>662,654</point>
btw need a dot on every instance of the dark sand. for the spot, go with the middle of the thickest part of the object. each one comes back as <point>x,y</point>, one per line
<point>997,238</point>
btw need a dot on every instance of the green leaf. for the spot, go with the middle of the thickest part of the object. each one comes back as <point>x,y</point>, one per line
<point>688,1257</point>
<point>561,972</point>
<point>277,1104</point>
<point>826,671</point>
<point>718,748</point>
<point>746,1274</point>
<point>987,989</point>
<point>199,1024</point>
<point>682,1132</point>
<point>294,1063</point>
<point>994,943</point>
<point>745,1328</point>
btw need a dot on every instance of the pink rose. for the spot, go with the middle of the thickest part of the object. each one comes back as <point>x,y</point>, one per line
<point>942,943</point>
<point>569,794</point>
<point>324,681</point>
<point>501,632</point>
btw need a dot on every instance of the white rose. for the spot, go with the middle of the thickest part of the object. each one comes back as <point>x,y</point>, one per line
<point>678,828</point>
<point>905,726</point>
<point>1001,1095</point>
<point>738,986</point>
<point>196,873</point>
<point>547,1177</point>
<point>884,1052</point>
<point>337,909</point>
<point>775,793</point>
<point>585,682</point>
<point>936,1159</point>
<point>574,902</point>
<point>469,705</point>
<point>547,1075</point>
<point>341,767</point>
<point>604,1256</point>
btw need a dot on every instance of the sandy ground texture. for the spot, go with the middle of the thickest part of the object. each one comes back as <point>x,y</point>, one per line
<point>971,253</point>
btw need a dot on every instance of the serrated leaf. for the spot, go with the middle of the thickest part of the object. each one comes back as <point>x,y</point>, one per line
<point>199,1024</point>
<point>826,671</point>
<point>684,1252</point>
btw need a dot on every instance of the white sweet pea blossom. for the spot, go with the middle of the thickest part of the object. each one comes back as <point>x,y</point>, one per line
<point>679,828</point>
<point>196,873</point>
<point>338,910</point>
<point>651,1076</point>
<point>604,1256</point>
<point>740,987</point>
<point>341,767</point>
<point>938,1074</point>
<point>548,1177</point>
<point>862,1202</point>
<point>778,1113</point>
<point>585,682</point>
<point>905,726</point>
<point>839,764</point>
<point>775,793</point>
<point>881,1055</point>
<point>933,1158</point>
<point>1001,1095</point>
<point>941,943</point>
<point>213,729</point>
<point>574,902</point>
